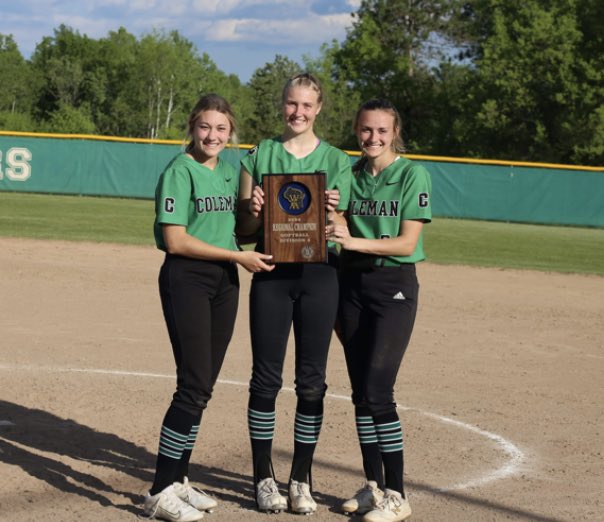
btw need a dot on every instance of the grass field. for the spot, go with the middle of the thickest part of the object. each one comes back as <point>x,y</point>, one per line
<point>448,241</point>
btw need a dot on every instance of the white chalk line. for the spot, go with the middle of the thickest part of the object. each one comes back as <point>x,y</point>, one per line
<point>513,465</point>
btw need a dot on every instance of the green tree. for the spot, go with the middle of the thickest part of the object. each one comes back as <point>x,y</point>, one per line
<point>15,95</point>
<point>70,120</point>
<point>588,124</point>
<point>169,78</point>
<point>389,52</point>
<point>114,68</point>
<point>534,88</point>
<point>66,66</point>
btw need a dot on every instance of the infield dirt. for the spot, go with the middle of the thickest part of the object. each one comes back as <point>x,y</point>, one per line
<point>500,393</point>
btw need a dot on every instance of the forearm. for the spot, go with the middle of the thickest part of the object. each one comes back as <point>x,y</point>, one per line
<point>395,246</point>
<point>189,246</point>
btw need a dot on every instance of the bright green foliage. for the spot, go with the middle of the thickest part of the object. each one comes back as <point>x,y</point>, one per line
<point>15,73</point>
<point>527,82</point>
<point>16,121</point>
<point>515,79</point>
<point>122,86</point>
<point>70,120</point>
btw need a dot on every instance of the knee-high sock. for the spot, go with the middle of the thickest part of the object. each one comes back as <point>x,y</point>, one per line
<point>183,463</point>
<point>370,450</point>
<point>309,418</point>
<point>390,440</point>
<point>261,424</point>
<point>174,434</point>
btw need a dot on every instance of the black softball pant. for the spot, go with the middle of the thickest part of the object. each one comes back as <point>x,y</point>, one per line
<point>376,314</point>
<point>199,300</point>
<point>307,296</point>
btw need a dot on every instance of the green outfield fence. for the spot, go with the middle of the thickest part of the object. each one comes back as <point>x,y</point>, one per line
<point>462,188</point>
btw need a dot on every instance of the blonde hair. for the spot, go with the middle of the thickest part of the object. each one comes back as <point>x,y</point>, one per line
<point>304,80</point>
<point>211,102</point>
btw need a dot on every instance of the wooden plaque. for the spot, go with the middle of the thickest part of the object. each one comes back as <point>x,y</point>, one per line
<point>294,217</point>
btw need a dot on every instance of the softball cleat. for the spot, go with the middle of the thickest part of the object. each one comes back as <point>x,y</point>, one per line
<point>364,500</point>
<point>392,508</point>
<point>166,505</point>
<point>300,499</point>
<point>194,497</point>
<point>268,498</point>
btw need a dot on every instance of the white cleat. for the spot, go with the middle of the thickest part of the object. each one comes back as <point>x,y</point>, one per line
<point>194,497</point>
<point>166,505</point>
<point>364,500</point>
<point>268,498</point>
<point>392,508</point>
<point>300,499</point>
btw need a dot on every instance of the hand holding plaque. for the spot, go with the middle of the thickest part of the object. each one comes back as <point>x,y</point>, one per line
<point>294,217</point>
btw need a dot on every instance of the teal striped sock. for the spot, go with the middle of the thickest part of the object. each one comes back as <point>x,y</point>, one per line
<point>261,424</point>
<point>390,440</point>
<point>390,436</point>
<point>370,451</point>
<point>173,438</point>
<point>183,464</point>
<point>366,430</point>
<point>261,420</point>
<point>307,428</point>
<point>171,443</point>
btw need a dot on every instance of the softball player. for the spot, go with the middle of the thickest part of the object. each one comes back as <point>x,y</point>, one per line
<point>195,204</point>
<point>389,204</point>
<point>303,294</point>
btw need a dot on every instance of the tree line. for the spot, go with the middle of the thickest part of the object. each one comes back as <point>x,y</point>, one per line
<point>502,79</point>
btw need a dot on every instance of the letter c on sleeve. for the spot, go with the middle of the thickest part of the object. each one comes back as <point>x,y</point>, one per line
<point>169,205</point>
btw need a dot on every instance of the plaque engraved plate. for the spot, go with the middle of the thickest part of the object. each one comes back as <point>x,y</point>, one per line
<point>294,217</point>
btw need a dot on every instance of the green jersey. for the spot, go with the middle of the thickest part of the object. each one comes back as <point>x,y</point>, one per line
<point>201,199</point>
<point>270,157</point>
<point>379,204</point>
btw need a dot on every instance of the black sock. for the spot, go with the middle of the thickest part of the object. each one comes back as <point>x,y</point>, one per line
<point>183,463</point>
<point>370,450</point>
<point>173,439</point>
<point>261,424</point>
<point>309,418</point>
<point>390,439</point>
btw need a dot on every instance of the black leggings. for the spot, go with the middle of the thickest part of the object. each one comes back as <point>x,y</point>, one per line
<point>199,301</point>
<point>307,296</point>
<point>376,316</point>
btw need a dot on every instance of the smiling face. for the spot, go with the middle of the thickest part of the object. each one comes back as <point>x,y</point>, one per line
<point>211,131</point>
<point>376,131</point>
<point>300,108</point>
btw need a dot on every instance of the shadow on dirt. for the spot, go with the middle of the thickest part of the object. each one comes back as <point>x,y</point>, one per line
<point>42,444</point>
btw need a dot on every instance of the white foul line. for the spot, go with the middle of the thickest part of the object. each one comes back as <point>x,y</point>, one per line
<point>515,456</point>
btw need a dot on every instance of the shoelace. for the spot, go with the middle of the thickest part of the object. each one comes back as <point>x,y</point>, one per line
<point>270,487</point>
<point>192,490</point>
<point>172,502</point>
<point>389,501</point>
<point>302,489</point>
